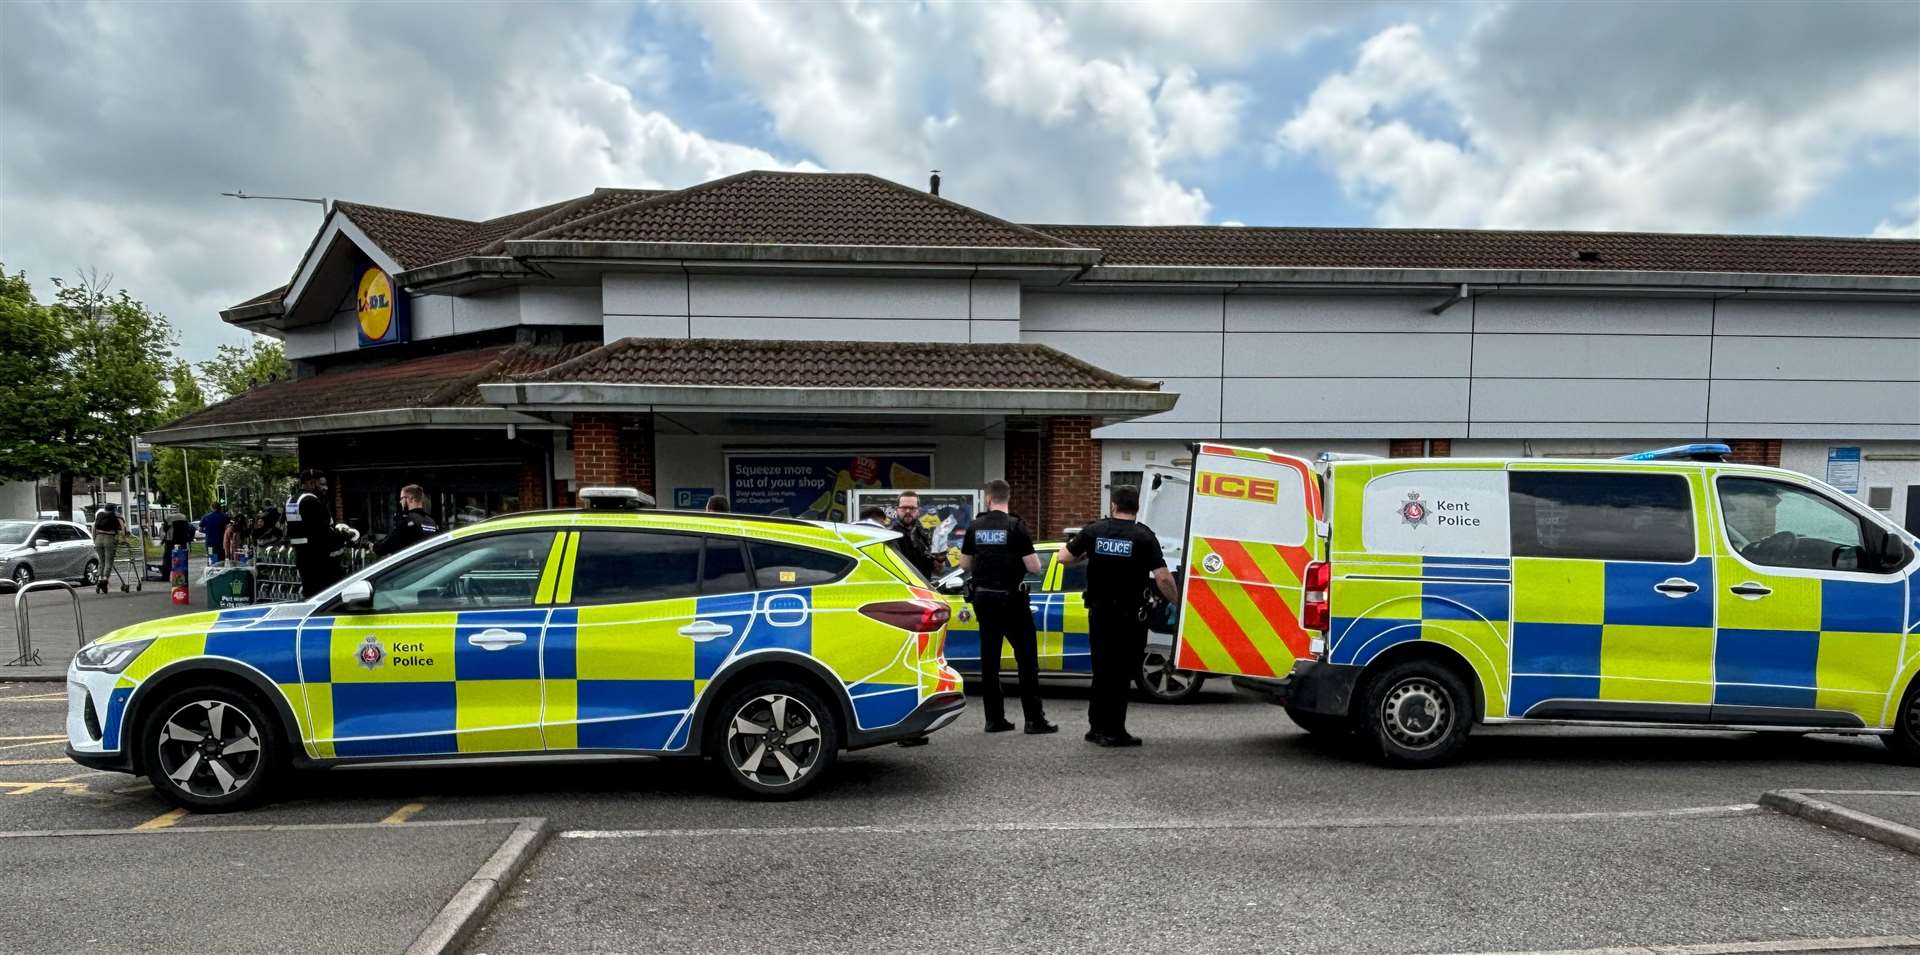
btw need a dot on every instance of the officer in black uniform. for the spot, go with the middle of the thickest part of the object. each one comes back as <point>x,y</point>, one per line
<point>411,526</point>
<point>314,535</point>
<point>1124,564</point>
<point>998,552</point>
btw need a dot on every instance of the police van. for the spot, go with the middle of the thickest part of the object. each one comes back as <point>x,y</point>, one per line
<point>1406,600</point>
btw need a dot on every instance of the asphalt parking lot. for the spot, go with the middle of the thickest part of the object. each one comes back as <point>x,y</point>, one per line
<point>1230,830</point>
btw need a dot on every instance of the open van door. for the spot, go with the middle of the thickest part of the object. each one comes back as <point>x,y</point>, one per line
<point>1253,525</point>
<point>1163,507</point>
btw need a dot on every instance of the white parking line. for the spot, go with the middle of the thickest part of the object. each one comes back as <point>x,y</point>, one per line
<point>1180,825</point>
<point>1856,943</point>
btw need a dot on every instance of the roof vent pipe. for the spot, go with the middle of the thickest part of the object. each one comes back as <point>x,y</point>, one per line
<point>933,182</point>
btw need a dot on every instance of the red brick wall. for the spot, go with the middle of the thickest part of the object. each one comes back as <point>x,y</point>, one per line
<point>1755,451</point>
<point>1441,447</point>
<point>1420,448</point>
<point>1023,474</point>
<point>1070,480</point>
<point>613,450</point>
<point>533,483</point>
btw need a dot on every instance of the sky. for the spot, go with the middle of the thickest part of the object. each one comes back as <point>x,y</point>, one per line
<point>121,123</point>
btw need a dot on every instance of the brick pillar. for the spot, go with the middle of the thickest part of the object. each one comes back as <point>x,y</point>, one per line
<point>612,450</point>
<point>337,486</point>
<point>1023,474</point>
<point>1440,447</point>
<point>1406,448</point>
<point>1755,451</point>
<point>1070,469</point>
<point>533,483</point>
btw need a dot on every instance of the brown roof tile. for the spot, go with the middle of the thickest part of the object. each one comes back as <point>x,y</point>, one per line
<point>594,203</point>
<point>447,380</point>
<point>793,208</point>
<point>827,364</point>
<point>1263,247</point>
<point>413,239</point>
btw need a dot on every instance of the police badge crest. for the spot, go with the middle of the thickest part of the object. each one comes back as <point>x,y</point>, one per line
<point>1413,511</point>
<point>371,653</point>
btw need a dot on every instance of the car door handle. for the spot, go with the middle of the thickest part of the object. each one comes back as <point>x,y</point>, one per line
<point>700,631</point>
<point>1676,587</point>
<point>1751,590</point>
<point>494,638</point>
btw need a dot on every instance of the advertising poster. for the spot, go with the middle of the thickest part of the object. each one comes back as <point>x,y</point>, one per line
<point>814,484</point>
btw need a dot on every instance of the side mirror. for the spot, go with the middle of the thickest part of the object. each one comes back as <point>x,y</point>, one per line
<point>1889,551</point>
<point>356,596</point>
<point>40,542</point>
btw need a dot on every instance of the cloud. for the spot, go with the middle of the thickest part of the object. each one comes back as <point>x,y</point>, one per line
<point>1907,227</point>
<point>1614,116</point>
<point>123,123</point>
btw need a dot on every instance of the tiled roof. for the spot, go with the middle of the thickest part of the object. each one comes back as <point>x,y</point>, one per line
<point>1261,247</point>
<point>790,208</point>
<point>824,364</point>
<point>594,203</point>
<point>413,239</point>
<point>448,380</point>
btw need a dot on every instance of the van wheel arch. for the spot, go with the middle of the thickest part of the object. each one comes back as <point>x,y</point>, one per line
<point>206,673</point>
<point>1427,651</point>
<point>793,668</point>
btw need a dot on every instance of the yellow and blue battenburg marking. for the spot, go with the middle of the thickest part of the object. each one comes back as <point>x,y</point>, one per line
<point>1598,630</point>
<point>1060,629</point>
<point>1460,602</point>
<point>1827,644</point>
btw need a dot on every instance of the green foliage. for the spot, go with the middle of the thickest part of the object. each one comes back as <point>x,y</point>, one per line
<point>254,481</point>
<point>173,466</point>
<point>235,369</point>
<point>79,377</point>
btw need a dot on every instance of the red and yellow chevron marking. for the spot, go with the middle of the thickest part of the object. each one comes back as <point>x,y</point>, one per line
<point>1243,618</point>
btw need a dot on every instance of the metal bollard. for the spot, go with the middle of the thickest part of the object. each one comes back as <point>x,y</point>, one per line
<point>28,655</point>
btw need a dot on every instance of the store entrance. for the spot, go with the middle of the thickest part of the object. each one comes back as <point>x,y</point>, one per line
<point>456,496</point>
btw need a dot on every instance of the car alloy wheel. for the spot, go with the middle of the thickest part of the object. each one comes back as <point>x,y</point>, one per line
<point>1165,682</point>
<point>774,740</point>
<point>91,575</point>
<point>210,749</point>
<point>22,575</point>
<point>1416,713</point>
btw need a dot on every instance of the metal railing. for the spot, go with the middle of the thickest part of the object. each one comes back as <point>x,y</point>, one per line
<point>28,655</point>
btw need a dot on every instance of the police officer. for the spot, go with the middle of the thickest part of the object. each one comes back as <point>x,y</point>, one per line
<point>998,552</point>
<point>314,535</point>
<point>917,541</point>
<point>411,526</point>
<point>1122,557</point>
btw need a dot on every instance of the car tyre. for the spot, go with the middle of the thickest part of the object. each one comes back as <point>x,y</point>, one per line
<point>1162,682</point>
<point>22,576</point>
<point>774,739</point>
<point>1320,724</point>
<point>1416,714</point>
<point>212,749</point>
<point>1904,741</point>
<point>91,575</point>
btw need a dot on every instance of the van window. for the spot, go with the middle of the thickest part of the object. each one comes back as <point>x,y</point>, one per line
<point>1778,525</point>
<point>1602,516</point>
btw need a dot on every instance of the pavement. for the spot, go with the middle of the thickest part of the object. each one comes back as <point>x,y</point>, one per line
<point>1228,830</point>
<point>50,617</point>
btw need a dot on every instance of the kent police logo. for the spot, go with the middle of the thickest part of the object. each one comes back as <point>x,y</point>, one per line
<point>372,654</point>
<point>1413,511</point>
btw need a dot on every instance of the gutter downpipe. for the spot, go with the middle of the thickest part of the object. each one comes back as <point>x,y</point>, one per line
<point>1461,294</point>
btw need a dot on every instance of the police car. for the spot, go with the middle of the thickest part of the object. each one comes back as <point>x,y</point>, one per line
<point>1060,624</point>
<point>766,644</point>
<point>1668,589</point>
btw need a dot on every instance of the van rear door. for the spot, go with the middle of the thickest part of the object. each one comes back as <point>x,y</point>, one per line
<point>1163,507</point>
<point>1252,528</point>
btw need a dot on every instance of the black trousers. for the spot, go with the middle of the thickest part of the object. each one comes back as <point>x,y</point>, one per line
<point>317,572</point>
<point>1119,640</point>
<point>1010,618</point>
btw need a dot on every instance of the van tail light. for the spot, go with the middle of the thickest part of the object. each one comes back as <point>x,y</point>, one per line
<point>1314,611</point>
<point>920,615</point>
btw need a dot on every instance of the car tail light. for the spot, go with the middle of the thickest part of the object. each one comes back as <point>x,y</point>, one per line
<point>920,615</point>
<point>1314,611</point>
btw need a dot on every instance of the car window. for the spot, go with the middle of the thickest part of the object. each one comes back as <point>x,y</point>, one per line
<point>14,532</point>
<point>633,566</point>
<point>1778,525</point>
<point>888,553</point>
<point>1601,516</point>
<point>497,570</point>
<point>783,565</point>
<point>725,568</point>
<point>58,533</point>
<point>1073,578</point>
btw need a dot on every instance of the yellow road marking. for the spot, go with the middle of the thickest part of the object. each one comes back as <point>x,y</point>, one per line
<point>33,762</point>
<point>164,820</point>
<point>45,742</point>
<point>22,789</point>
<point>42,698</point>
<point>403,814</point>
<point>9,739</point>
<point>90,772</point>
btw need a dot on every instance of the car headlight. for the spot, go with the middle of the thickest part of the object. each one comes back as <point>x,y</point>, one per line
<point>110,657</point>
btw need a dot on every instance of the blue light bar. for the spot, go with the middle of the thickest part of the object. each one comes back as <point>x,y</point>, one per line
<point>1682,452</point>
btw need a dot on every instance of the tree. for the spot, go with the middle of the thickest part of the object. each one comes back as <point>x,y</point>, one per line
<point>172,466</point>
<point>36,396</point>
<point>234,369</point>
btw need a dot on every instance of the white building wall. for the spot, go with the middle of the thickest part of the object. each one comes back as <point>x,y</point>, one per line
<point>1885,464</point>
<point>810,308</point>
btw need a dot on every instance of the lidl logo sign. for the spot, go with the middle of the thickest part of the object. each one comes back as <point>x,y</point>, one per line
<point>1257,490</point>
<point>379,309</point>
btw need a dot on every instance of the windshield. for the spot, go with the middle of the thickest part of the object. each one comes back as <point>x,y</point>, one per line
<point>14,532</point>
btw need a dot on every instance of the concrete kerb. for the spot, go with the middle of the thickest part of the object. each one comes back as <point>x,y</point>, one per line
<point>1802,803</point>
<point>463,913</point>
